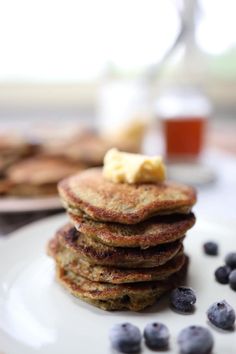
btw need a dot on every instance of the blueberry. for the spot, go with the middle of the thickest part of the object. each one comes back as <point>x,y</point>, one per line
<point>221,314</point>
<point>125,338</point>
<point>222,274</point>
<point>195,340</point>
<point>230,260</point>
<point>232,279</point>
<point>156,335</point>
<point>183,299</point>
<point>211,248</point>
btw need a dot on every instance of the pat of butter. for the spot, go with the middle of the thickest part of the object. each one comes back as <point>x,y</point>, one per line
<point>122,167</point>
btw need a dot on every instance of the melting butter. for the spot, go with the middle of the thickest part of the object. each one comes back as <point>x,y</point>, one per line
<point>122,167</point>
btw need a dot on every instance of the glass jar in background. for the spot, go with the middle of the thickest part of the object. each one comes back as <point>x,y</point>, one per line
<point>123,113</point>
<point>184,114</point>
<point>118,102</point>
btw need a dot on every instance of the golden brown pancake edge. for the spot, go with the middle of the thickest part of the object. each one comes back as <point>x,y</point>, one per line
<point>149,233</point>
<point>123,203</point>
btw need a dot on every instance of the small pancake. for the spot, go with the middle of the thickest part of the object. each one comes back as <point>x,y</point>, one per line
<point>79,246</point>
<point>133,297</point>
<point>103,200</point>
<point>152,232</point>
<point>41,170</point>
<point>5,186</point>
<point>7,161</point>
<point>89,148</point>
<point>30,190</point>
<point>14,144</point>
<point>113,275</point>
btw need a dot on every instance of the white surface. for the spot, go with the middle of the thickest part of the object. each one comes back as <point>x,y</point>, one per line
<point>217,199</point>
<point>38,316</point>
<point>19,205</point>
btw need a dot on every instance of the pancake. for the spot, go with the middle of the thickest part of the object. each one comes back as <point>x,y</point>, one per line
<point>103,200</point>
<point>7,161</point>
<point>28,190</point>
<point>39,175</point>
<point>76,245</point>
<point>5,186</point>
<point>114,275</point>
<point>133,297</point>
<point>86,147</point>
<point>152,232</point>
<point>89,148</point>
<point>41,170</point>
<point>14,145</point>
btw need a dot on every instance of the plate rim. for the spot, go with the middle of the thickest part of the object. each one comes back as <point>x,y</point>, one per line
<point>21,205</point>
<point>20,235</point>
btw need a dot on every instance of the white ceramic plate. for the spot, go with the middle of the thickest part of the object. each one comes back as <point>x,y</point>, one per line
<point>19,205</point>
<point>38,316</point>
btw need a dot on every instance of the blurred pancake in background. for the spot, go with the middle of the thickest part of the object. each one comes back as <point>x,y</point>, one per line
<point>12,144</point>
<point>39,175</point>
<point>30,169</point>
<point>13,147</point>
<point>5,162</point>
<point>90,148</point>
<point>5,186</point>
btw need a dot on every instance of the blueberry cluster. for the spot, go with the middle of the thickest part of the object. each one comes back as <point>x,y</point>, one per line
<point>127,338</point>
<point>226,274</point>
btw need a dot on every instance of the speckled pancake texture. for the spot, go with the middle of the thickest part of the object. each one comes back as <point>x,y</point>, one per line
<point>123,203</point>
<point>123,247</point>
<point>106,296</point>
<point>76,245</point>
<point>149,233</point>
<point>113,275</point>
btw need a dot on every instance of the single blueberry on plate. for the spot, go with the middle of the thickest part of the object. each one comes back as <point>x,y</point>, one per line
<point>126,338</point>
<point>211,248</point>
<point>222,315</point>
<point>230,260</point>
<point>195,340</point>
<point>222,274</point>
<point>183,299</point>
<point>156,335</point>
<point>232,279</point>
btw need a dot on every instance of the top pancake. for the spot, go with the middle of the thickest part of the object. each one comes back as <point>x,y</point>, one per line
<point>103,200</point>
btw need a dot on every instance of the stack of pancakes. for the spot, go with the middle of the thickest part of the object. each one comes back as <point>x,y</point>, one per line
<point>123,246</point>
